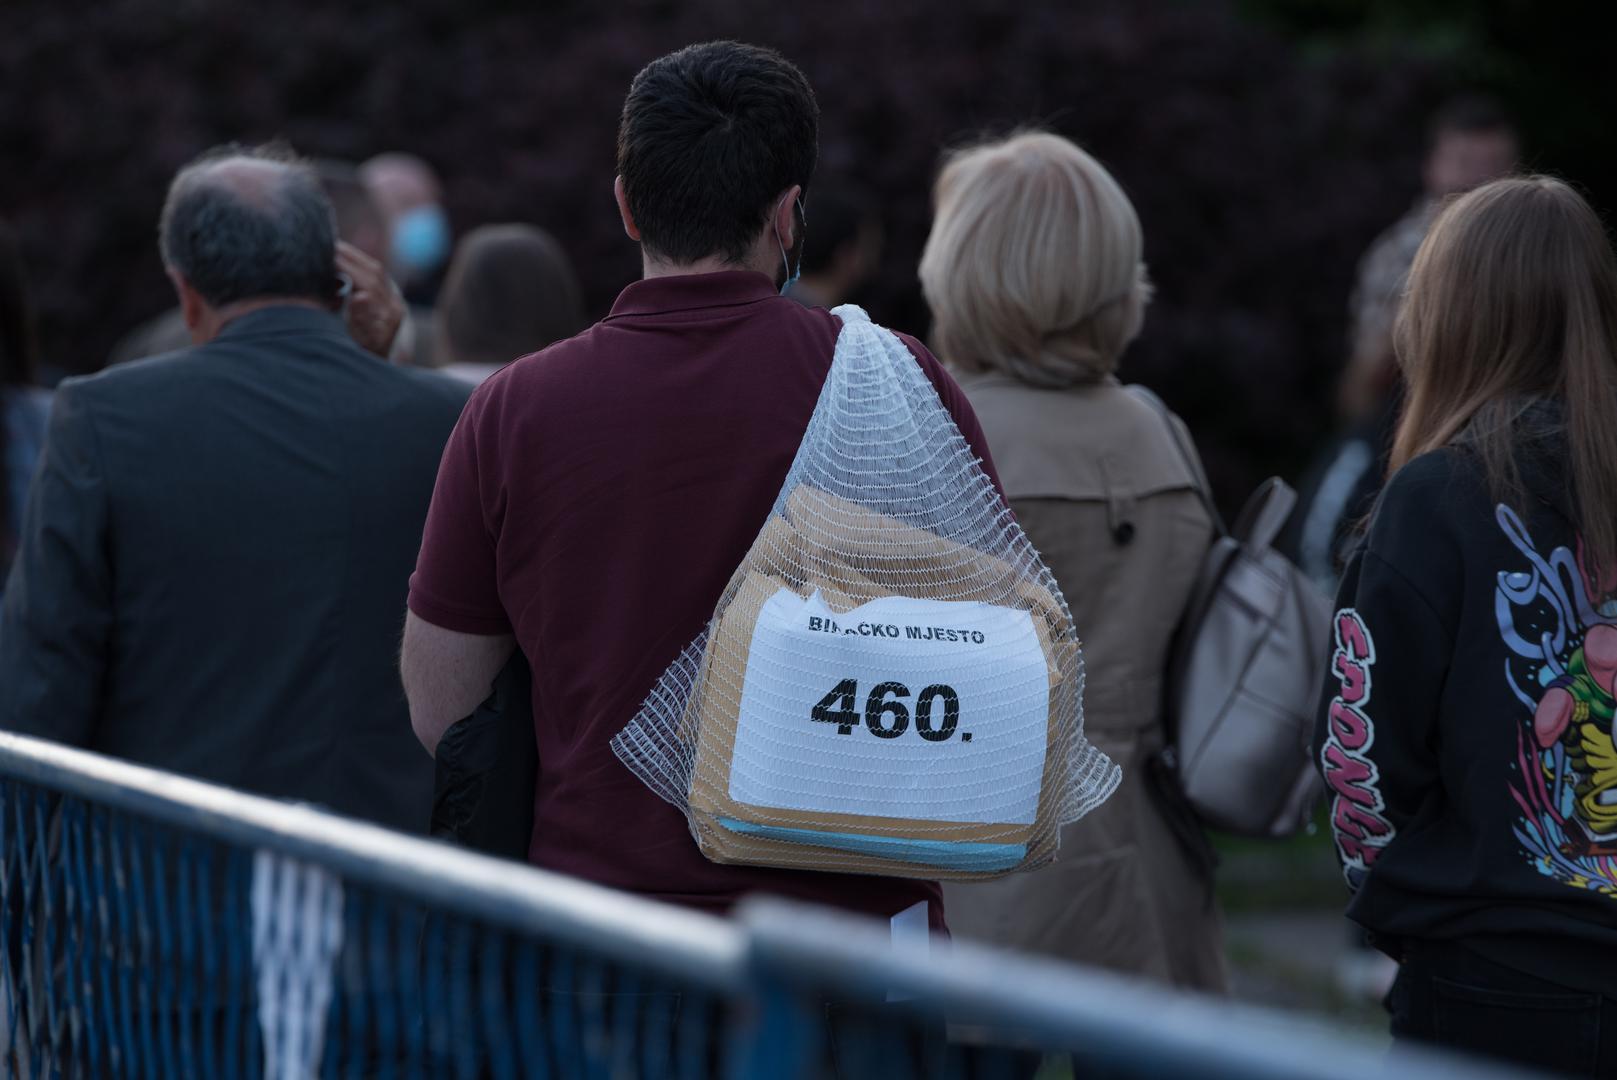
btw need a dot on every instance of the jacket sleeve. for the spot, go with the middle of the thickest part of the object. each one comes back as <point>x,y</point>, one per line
<point>56,622</point>
<point>1376,737</point>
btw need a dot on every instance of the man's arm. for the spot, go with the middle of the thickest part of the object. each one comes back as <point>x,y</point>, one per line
<point>457,635</point>
<point>447,674</point>
<point>57,618</point>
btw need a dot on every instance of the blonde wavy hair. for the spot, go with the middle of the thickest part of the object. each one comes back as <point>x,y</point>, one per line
<point>1035,262</point>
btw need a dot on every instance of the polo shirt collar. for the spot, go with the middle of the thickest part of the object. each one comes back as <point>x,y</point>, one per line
<point>686,292</point>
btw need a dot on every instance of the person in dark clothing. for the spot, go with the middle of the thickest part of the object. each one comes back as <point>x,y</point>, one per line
<point>361,229</point>
<point>1466,738</point>
<point>1337,494</point>
<point>1470,141</point>
<point>23,405</point>
<point>216,546</point>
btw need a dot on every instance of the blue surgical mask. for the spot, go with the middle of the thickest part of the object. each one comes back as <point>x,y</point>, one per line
<point>421,240</point>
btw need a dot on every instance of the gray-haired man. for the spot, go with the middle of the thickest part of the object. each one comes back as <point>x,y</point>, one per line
<point>219,539</point>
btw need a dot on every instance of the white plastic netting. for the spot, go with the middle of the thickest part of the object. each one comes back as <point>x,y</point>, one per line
<point>891,682</point>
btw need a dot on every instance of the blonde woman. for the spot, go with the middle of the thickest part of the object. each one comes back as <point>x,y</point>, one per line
<point>1035,277</point>
<point>1466,737</point>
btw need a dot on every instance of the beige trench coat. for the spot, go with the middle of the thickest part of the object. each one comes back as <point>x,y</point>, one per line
<point>1096,481</point>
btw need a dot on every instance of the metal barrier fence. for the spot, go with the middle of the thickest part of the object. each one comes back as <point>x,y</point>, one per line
<point>156,926</point>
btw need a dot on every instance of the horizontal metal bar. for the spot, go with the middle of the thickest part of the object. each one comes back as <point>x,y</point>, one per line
<point>1106,1020</point>
<point>810,952</point>
<point>687,945</point>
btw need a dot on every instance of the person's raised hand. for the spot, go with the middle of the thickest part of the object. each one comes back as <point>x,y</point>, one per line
<point>375,307</point>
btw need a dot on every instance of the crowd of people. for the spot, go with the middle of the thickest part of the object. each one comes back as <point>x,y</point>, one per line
<point>212,547</point>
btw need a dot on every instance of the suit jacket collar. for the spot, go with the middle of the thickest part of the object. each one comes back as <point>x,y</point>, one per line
<point>283,319</point>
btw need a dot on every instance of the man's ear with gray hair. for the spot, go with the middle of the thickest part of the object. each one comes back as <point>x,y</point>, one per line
<point>193,308</point>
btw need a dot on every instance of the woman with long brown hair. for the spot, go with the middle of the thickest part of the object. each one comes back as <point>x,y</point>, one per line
<point>1467,734</point>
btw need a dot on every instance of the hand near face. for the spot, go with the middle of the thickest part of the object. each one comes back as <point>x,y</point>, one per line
<point>375,307</point>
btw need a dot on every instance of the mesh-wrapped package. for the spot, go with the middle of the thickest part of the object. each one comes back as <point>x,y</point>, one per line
<point>891,682</point>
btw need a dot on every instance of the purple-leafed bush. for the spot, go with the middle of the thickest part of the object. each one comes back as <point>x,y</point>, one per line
<point>1260,174</point>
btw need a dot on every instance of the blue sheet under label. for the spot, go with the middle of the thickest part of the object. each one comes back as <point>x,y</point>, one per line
<point>943,854</point>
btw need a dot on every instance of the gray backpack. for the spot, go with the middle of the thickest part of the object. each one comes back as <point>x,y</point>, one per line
<point>1245,671</point>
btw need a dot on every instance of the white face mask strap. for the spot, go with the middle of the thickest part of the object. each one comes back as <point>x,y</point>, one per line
<point>791,275</point>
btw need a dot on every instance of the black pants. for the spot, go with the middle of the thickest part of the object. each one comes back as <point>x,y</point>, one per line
<point>1448,996</point>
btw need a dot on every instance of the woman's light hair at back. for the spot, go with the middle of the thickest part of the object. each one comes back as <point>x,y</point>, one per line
<point>1035,262</point>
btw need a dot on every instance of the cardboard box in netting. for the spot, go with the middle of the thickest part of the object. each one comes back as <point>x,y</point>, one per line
<point>876,699</point>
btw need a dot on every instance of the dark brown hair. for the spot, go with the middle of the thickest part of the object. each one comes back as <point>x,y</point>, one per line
<point>510,291</point>
<point>1512,300</point>
<point>710,136</point>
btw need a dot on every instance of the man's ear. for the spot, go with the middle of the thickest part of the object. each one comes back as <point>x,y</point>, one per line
<point>192,307</point>
<point>786,216</point>
<point>623,210</point>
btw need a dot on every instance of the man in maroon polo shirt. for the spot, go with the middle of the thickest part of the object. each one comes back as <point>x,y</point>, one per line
<point>596,497</point>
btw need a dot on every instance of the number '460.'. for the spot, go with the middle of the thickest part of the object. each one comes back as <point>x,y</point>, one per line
<point>886,714</point>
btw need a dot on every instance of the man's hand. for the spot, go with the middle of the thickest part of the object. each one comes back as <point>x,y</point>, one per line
<point>375,307</point>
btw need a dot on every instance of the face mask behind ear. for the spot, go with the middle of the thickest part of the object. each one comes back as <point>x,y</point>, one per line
<point>793,272</point>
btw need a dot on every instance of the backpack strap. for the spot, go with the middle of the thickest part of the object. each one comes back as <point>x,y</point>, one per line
<point>1265,513</point>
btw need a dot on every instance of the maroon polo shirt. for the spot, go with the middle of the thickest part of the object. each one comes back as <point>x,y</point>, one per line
<point>594,500</point>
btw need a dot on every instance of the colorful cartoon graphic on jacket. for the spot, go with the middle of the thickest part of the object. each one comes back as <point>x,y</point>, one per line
<point>1563,669</point>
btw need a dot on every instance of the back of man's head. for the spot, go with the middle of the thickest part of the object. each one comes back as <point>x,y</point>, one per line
<point>1469,114</point>
<point>710,136</point>
<point>246,224</point>
<point>1470,141</point>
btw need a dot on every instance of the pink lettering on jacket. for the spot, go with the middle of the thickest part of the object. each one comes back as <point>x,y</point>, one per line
<point>1358,814</point>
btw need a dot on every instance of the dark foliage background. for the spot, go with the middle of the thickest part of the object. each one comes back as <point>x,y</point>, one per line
<point>1264,149</point>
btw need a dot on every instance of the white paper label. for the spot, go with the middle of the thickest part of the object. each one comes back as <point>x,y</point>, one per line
<point>928,710</point>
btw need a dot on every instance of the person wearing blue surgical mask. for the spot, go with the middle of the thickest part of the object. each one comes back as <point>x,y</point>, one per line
<point>409,194</point>
<point>421,240</point>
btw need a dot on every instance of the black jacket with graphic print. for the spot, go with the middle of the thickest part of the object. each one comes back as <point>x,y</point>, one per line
<point>1466,733</point>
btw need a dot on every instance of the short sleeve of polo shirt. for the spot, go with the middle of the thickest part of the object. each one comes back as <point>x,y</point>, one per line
<point>456,582</point>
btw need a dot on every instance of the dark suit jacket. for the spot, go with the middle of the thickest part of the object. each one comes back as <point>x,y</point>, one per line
<point>214,565</point>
